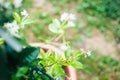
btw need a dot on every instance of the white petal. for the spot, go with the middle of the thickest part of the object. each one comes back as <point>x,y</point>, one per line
<point>64,16</point>
<point>64,47</point>
<point>12,28</point>
<point>24,13</point>
<point>72,17</point>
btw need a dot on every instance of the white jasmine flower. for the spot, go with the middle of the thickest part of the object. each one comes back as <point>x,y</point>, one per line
<point>72,17</point>
<point>64,16</point>
<point>17,3</point>
<point>85,53</point>
<point>12,28</point>
<point>24,13</point>
<point>63,47</point>
<point>67,17</point>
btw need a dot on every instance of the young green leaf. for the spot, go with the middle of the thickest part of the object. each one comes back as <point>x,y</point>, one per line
<point>67,54</point>
<point>77,53</point>
<point>57,70</point>
<point>57,23</point>
<point>42,54</point>
<point>76,64</point>
<point>17,17</point>
<point>1,40</point>
<point>54,26</point>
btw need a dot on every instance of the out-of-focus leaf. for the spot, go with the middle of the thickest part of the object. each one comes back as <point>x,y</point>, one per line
<point>67,54</point>
<point>28,21</point>
<point>54,26</point>
<point>57,70</point>
<point>22,41</point>
<point>21,71</point>
<point>42,54</point>
<point>28,55</point>
<point>77,64</point>
<point>4,70</point>
<point>1,41</point>
<point>77,53</point>
<point>17,17</point>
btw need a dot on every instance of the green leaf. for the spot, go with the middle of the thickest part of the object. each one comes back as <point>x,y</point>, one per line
<point>57,70</point>
<point>42,54</point>
<point>56,22</point>
<point>21,71</point>
<point>67,54</point>
<point>56,56</point>
<point>28,21</point>
<point>1,41</point>
<point>17,17</point>
<point>25,22</point>
<point>54,26</point>
<point>77,64</point>
<point>22,41</point>
<point>77,53</point>
<point>28,55</point>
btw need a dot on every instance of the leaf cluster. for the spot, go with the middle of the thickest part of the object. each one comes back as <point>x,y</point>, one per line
<point>54,62</point>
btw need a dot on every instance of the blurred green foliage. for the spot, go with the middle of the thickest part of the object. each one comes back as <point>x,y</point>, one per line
<point>100,68</point>
<point>101,14</point>
<point>19,61</point>
<point>43,19</point>
<point>59,3</point>
<point>107,8</point>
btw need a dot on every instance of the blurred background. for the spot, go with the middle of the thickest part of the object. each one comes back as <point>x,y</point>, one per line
<point>97,29</point>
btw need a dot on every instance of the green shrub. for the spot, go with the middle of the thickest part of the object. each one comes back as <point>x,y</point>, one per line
<point>107,8</point>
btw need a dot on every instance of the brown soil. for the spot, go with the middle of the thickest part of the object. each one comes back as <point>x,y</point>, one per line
<point>99,43</point>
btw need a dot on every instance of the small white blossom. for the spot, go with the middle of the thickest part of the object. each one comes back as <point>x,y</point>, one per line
<point>64,16</point>
<point>67,17</point>
<point>85,53</point>
<point>18,3</point>
<point>12,28</point>
<point>72,17</point>
<point>24,13</point>
<point>63,47</point>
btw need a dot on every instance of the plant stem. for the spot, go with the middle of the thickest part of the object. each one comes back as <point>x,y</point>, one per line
<point>58,37</point>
